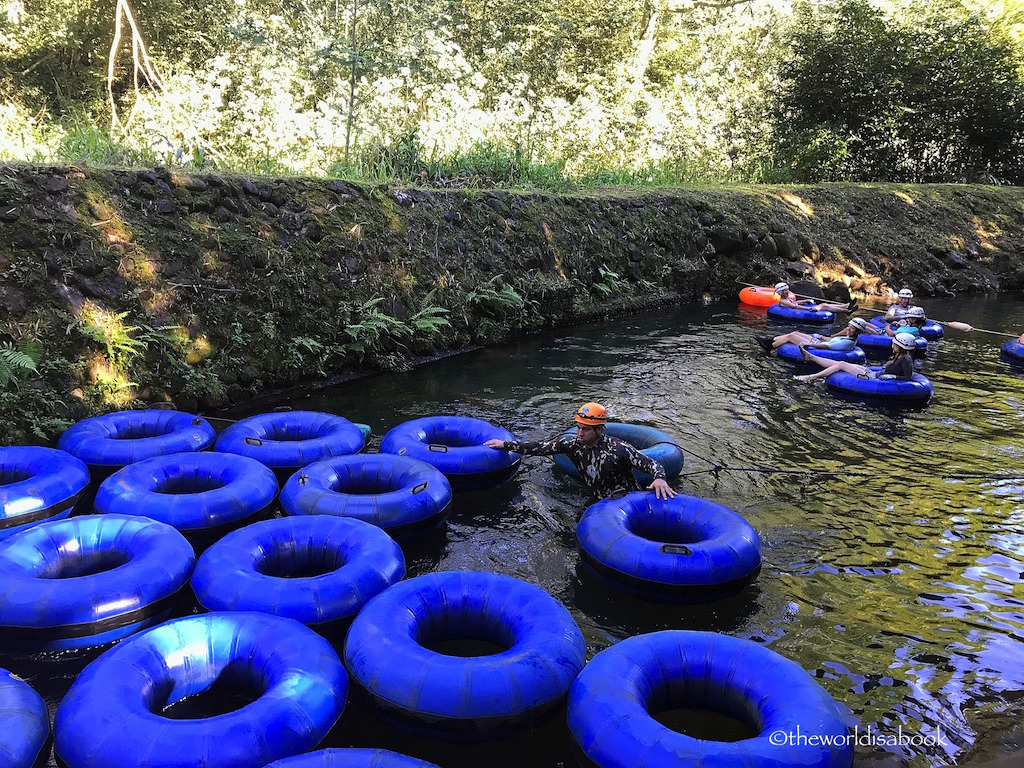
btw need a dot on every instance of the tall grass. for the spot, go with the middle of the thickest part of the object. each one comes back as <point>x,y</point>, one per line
<point>77,137</point>
<point>403,161</point>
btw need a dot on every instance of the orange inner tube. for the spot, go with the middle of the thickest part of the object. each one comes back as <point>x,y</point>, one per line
<point>759,296</point>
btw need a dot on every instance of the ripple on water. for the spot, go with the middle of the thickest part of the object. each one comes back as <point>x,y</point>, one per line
<point>892,569</point>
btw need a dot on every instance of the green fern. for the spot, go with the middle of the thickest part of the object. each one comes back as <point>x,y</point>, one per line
<point>307,343</point>
<point>375,329</point>
<point>430,320</point>
<point>494,298</point>
<point>46,428</point>
<point>378,325</point>
<point>303,352</point>
<point>15,362</point>
<point>160,336</point>
<point>115,336</point>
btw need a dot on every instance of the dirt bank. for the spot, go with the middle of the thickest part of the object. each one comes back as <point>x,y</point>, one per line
<point>128,287</point>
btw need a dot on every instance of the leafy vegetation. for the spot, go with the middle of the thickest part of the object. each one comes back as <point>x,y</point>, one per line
<point>373,329</point>
<point>610,281</point>
<point>540,94</point>
<point>14,363</point>
<point>495,297</point>
<point>431,322</point>
<point>937,96</point>
<point>109,329</point>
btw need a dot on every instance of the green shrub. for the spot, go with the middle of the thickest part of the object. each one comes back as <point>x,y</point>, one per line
<point>933,94</point>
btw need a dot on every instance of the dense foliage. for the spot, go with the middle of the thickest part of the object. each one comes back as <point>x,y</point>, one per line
<point>485,92</point>
<point>937,96</point>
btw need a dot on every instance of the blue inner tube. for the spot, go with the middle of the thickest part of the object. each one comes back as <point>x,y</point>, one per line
<point>651,442</point>
<point>352,758</point>
<point>791,354</point>
<point>455,446</point>
<point>777,312</point>
<point>683,549</point>
<point>878,346</point>
<point>288,440</point>
<point>1012,352</point>
<point>116,440</point>
<point>388,651</point>
<point>111,717</point>
<point>89,580</point>
<point>194,492</point>
<point>24,724</point>
<point>612,703</point>
<point>403,496</point>
<point>916,392</point>
<point>38,484</point>
<point>312,569</point>
<point>931,330</point>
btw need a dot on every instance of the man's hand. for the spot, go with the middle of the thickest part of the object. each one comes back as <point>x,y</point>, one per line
<point>661,489</point>
<point>495,443</point>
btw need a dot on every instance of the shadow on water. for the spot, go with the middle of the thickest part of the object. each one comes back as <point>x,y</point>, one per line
<point>892,540</point>
<point>609,610</point>
<point>363,725</point>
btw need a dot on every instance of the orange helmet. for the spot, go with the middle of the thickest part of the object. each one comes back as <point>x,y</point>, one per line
<point>592,414</point>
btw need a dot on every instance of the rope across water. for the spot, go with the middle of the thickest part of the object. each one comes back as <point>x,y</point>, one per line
<point>717,468</point>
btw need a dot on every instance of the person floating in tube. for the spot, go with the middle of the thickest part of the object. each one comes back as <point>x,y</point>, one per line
<point>899,367</point>
<point>911,322</point>
<point>789,300</point>
<point>605,463</point>
<point>898,310</point>
<point>841,341</point>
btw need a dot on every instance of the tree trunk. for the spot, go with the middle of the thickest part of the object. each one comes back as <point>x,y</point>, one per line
<point>644,49</point>
<point>352,81</point>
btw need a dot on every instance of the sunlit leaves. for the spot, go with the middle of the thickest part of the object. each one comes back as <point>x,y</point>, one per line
<point>446,92</point>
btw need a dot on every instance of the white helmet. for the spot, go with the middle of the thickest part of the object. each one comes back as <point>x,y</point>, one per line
<point>905,293</point>
<point>915,312</point>
<point>860,324</point>
<point>780,287</point>
<point>905,341</point>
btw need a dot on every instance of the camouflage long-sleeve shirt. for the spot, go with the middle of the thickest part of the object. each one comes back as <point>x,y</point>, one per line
<point>606,467</point>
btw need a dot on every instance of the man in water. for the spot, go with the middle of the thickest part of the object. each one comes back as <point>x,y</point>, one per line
<point>898,310</point>
<point>605,463</point>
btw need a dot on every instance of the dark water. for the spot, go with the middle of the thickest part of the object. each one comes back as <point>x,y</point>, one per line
<point>893,556</point>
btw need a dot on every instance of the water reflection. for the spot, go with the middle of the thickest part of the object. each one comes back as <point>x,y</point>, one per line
<point>896,580</point>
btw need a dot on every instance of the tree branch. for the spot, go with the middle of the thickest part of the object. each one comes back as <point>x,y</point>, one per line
<point>682,6</point>
<point>643,51</point>
<point>35,66</point>
<point>141,63</point>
